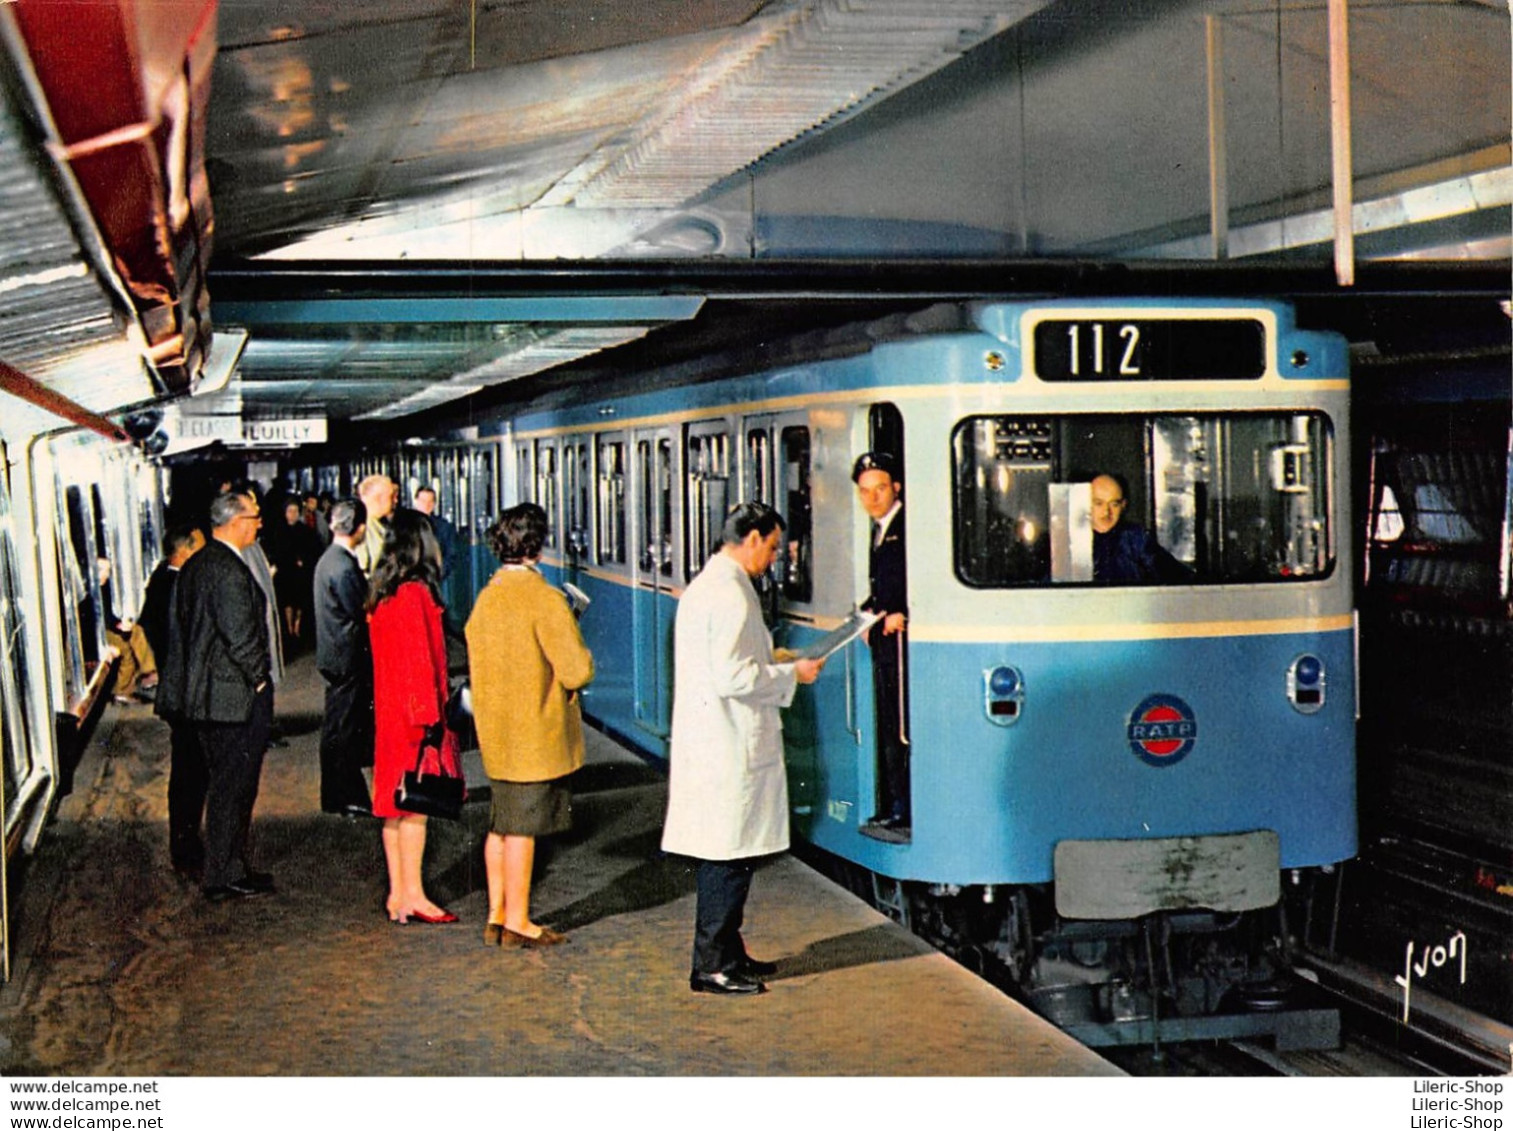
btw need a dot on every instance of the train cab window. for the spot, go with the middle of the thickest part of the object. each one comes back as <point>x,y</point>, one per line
<point>1220,497</point>
<point>795,503</point>
<point>546,489</point>
<point>707,493</point>
<point>611,501</point>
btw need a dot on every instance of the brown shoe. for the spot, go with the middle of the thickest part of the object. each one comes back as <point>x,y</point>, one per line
<point>493,934</point>
<point>547,937</point>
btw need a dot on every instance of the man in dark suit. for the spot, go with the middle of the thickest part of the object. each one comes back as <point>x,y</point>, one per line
<point>877,487</point>
<point>186,765</point>
<point>345,661</point>
<point>218,679</point>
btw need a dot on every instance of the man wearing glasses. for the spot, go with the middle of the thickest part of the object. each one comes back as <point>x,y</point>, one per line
<point>216,677</point>
<point>1122,551</point>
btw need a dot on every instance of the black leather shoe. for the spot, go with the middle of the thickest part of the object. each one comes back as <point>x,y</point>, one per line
<point>755,968</point>
<point>253,883</point>
<point>356,811</point>
<point>725,983</point>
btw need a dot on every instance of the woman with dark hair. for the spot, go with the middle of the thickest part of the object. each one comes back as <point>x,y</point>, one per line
<point>526,662</point>
<point>409,694</point>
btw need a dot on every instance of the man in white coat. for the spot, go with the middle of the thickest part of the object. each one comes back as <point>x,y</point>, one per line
<point>727,796</point>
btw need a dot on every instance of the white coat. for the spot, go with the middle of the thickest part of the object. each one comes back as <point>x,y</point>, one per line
<point>727,791</point>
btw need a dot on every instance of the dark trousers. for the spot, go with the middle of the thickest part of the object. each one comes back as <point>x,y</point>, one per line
<point>234,760</point>
<point>723,886</point>
<point>187,780</point>
<point>346,744</point>
<point>892,726</point>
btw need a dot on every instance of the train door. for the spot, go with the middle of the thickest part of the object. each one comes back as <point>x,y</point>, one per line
<point>888,594</point>
<point>651,606</point>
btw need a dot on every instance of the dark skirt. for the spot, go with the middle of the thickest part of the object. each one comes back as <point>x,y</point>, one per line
<point>530,808</point>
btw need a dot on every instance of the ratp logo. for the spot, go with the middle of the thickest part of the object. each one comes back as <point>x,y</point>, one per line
<point>1162,730</point>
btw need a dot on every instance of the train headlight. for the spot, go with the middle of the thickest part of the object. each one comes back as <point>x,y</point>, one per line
<point>1003,694</point>
<point>1305,683</point>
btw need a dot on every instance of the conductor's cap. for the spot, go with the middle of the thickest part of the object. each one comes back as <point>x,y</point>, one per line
<point>874,461</point>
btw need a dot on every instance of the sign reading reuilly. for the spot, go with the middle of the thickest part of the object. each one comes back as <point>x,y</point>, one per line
<point>282,433</point>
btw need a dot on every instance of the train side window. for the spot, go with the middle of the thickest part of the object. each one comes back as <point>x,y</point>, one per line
<point>525,475</point>
<point>654,494</point>
<point>546,488</point>
<point>479,511</point>
<point>707,493</point>
<point>1228,498</point>
<point>794,490</point>
<point>758,466</point>
<point>611,501</point>
<point>577,483</point>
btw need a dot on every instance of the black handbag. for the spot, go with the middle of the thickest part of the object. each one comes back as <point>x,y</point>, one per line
<point>437,794</point>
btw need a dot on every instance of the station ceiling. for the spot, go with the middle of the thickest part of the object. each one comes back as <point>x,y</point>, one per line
<point>407,204</point>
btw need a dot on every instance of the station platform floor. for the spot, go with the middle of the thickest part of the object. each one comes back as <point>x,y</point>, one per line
<point>122,968</point>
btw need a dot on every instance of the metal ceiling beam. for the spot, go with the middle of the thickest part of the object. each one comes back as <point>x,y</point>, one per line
<point>409,310</point>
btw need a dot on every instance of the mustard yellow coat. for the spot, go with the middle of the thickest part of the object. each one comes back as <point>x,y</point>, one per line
<point>525,654</point>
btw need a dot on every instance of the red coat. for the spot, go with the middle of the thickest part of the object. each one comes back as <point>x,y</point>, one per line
<point>409,688</point>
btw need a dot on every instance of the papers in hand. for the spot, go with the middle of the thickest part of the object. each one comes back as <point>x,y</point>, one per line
<point>578,599</point>
<point>853,626</point>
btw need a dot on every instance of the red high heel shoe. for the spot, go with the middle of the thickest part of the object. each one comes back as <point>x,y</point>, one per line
<point>422,917</point>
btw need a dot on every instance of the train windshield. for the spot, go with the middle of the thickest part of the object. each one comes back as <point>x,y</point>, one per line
<point>1133,499</point>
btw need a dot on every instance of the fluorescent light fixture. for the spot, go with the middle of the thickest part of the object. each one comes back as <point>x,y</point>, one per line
<point>226,348</point>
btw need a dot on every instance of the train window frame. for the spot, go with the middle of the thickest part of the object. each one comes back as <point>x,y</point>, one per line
<point>1292,488</point>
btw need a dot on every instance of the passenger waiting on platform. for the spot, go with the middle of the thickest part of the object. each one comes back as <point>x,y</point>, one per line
<point>316,517</point>
<point>293,549</point>
<point>727,789</point>
<point>526,663</point>
<point>216,676</point>
<point>1123,551</point>
<point>137,673</point>
<point>345,662</point>
<point>186,765</point>
<point>409,695</point>
<point>379,495</point>
<point>446,534</point>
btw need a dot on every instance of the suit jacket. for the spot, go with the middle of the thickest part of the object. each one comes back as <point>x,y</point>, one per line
<point>727,786</point>
<point>342,649</point>
<point>887,575</point>
<point>217,640</point>
<point>157,602</point>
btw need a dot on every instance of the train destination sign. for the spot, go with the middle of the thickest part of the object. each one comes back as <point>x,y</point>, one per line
<point>1150,349</point>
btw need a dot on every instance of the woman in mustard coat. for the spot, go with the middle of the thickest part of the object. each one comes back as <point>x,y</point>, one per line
<point>526,662</point>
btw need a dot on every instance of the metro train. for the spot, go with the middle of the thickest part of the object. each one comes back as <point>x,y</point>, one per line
<point>1118,790</point>
<point>66,499</point>
<point>1436,866</point>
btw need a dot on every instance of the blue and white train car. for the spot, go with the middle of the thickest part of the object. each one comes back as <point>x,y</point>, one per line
<point>1081,750</point>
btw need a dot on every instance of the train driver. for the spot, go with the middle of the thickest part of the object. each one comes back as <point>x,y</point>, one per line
<point>1121,550</point>
<point>878,489</point>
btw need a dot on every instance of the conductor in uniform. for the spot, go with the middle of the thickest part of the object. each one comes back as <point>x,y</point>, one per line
<point>727,790</point>
<point>878,488</point>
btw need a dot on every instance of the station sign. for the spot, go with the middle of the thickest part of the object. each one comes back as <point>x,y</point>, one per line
<point>281,433</point>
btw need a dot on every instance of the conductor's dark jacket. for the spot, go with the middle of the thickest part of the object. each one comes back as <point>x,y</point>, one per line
<point>887,576</point>
<point>218,640</point>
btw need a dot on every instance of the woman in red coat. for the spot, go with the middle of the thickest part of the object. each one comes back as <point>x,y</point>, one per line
<point>409,694</point>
